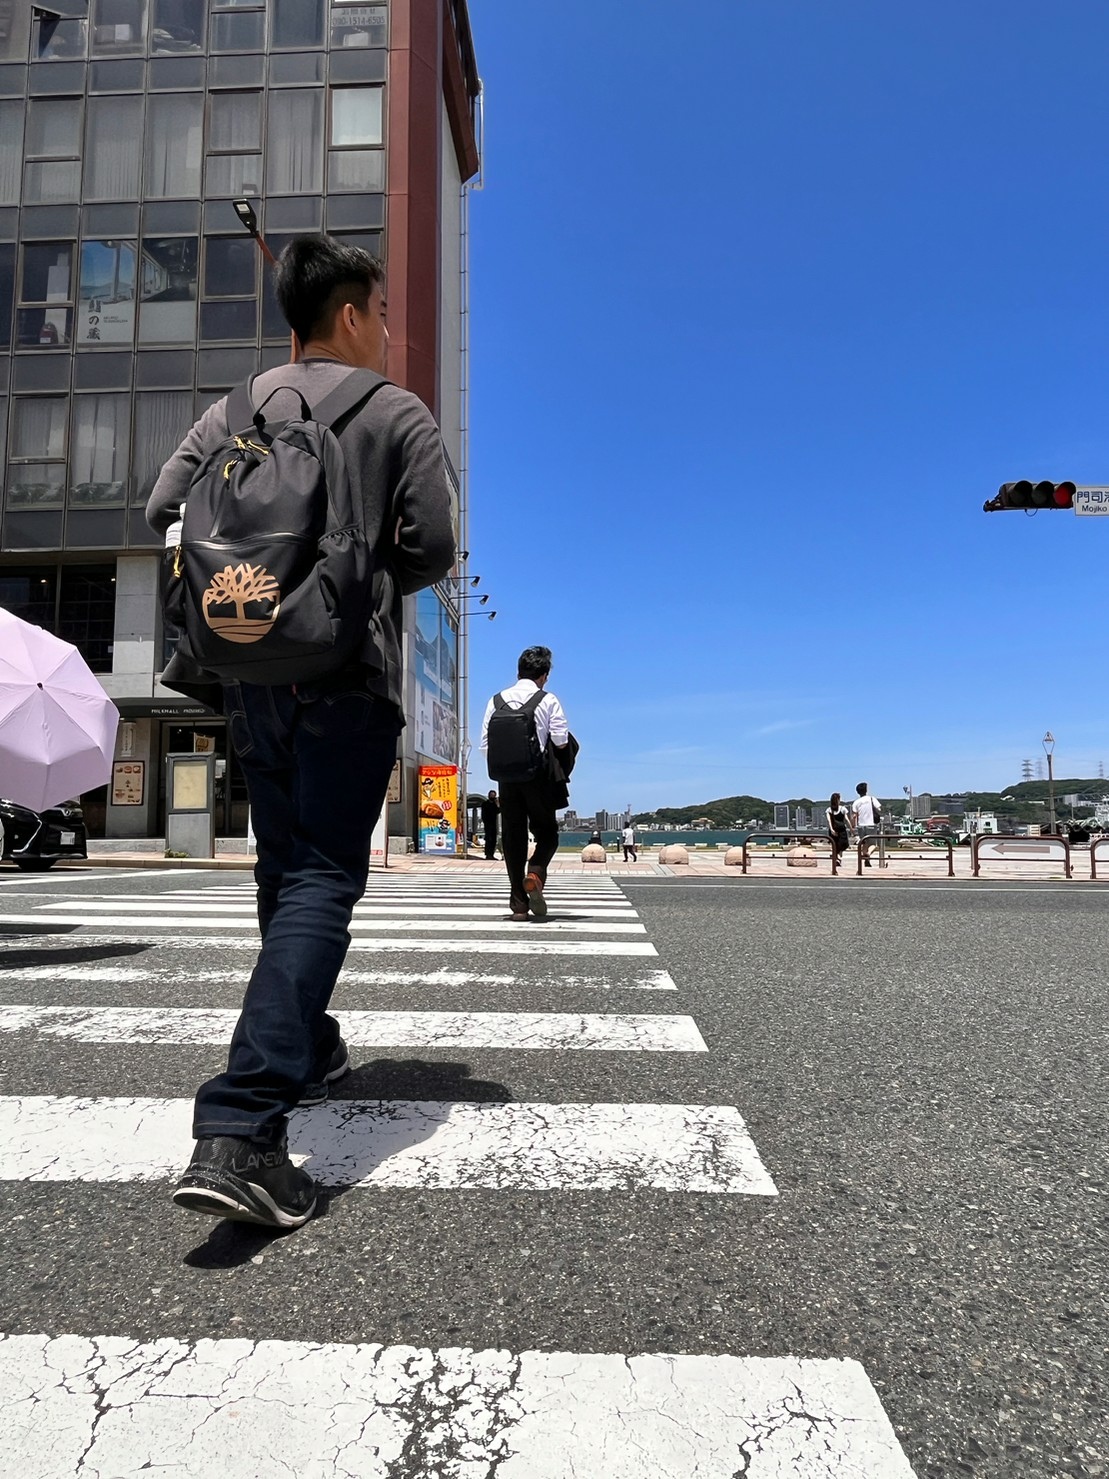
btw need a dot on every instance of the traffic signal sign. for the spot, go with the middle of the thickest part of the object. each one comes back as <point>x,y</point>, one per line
<point>1025,495</point>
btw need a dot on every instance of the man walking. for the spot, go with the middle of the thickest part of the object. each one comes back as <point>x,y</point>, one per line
<point>630,845</point>
<point>520,724</point>
<point>316,756</point>
<point>490,812</point>
<point>866,812</point>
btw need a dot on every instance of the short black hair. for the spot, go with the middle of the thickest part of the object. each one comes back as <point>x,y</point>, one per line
<point>861,788</point>
<point>535,662</point>
<point>316,275</point>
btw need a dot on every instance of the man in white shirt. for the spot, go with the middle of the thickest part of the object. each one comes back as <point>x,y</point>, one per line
<point>630,844</point>
<point>866,814</point>
<point>527,795</point>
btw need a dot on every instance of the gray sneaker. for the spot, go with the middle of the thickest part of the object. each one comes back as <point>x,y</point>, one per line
<point>536,902</point>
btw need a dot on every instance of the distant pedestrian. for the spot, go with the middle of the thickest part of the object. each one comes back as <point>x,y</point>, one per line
<point>866,812</point>
<point>630,845</point>
<point>490,812</point>
<point>317,752</point>
<point>595,839</point>
<point>522,726</point>
<point>838,827</point>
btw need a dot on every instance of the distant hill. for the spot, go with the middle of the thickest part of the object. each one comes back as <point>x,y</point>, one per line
<point>1024,802</point>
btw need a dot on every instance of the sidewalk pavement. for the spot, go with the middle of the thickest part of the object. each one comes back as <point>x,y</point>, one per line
<point>707,863</point>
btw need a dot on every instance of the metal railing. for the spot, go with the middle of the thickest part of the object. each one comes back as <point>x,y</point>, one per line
<point>906,842</point>
<point>813,835</point>
<point>1021,849</point>
<point>1095,843</point>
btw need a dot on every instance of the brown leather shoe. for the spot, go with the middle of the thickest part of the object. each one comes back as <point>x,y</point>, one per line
<point>520,918</point>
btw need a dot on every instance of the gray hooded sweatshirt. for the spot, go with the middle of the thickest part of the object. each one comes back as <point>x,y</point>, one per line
<point>394,456</point>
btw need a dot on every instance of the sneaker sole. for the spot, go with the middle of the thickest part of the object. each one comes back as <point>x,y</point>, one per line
<point>251,1204</point>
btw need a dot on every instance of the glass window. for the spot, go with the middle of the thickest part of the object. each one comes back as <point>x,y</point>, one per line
<point>174,130</point>
<point>87,612</point>
<point>117,27</point>
<point>38,427</point>
<point>356,169</point>
<point>161,420</point>
<point>356,114</point>
<point>113,153</point>
<point>245,32</point>
<point>177,26</point>
<point>297,26</point>
<point>11,150</point>
<point>60,40</point>
<point>229,319</point>
<point>167,290</point>
<point>106,294</point>
<point>236,122</point>
<point>233,175</point>
<point>99,449</point>
<point>47,272</point>
<point>7,293</point>
<point>54,128</point>
<point>36,484</point>
<point>358,25</point>
<point>296,68</point>
<point>117,76</point>
<point>30,594</point>
<point>55,182</point>
<point>230,267</point>
<point>295,158</point>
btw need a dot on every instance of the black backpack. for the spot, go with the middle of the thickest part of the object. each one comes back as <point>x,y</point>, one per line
<point>271,582</point>
<point>513,754</point>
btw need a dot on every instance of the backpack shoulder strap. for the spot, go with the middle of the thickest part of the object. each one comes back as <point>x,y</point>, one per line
<point>349,395</point>
<point>534,701</point>
<point>499,702</point>
<point>240,406</point>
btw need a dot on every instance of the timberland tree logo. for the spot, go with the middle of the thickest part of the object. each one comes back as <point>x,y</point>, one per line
<point>242,602</point>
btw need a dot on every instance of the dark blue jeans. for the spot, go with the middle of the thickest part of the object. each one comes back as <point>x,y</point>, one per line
<point>317,768</point>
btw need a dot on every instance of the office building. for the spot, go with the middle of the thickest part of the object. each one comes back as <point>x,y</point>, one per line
<point>131,299</point>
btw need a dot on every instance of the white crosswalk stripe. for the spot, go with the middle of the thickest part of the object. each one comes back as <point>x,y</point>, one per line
<point>119,1407</point>
<point>652,1033</point>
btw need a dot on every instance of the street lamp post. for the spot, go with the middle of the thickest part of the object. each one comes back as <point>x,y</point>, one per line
<point>1049,747</point>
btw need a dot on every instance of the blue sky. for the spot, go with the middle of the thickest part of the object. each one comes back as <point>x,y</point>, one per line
<point>768,296</point>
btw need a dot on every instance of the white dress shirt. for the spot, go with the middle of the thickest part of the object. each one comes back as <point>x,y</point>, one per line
<point>550,721</point>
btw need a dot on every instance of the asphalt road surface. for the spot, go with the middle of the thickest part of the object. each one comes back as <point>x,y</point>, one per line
<point>709,1179</point>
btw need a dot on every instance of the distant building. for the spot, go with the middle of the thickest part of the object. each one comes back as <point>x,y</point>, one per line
<point>921,806</point>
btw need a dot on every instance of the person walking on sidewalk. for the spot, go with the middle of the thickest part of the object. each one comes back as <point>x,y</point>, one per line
<point>317,755</point>
<point>866,813</point>
<point>837,825</point>
<point>490,814</point>
<point>630,844</point>
<point>528,747</point>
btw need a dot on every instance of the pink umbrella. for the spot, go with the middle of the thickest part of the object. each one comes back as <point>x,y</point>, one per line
<point>57,725</point>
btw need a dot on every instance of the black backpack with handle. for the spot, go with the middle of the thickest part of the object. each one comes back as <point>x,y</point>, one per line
<point>272,579</point>
<point>513,753</point>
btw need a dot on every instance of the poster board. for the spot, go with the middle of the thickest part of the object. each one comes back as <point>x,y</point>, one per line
<point>128,782</point>
<point>438,809</point>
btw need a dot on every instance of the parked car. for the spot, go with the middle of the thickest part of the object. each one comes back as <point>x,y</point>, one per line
<point>34,841</point>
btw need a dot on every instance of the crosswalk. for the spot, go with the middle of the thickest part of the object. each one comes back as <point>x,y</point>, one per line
<point>148,978</point>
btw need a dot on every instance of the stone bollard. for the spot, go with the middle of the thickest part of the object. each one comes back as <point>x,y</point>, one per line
<point>801,856</point>
<point>733,858</point>
<point>591,853</point>
<point>675,855</point>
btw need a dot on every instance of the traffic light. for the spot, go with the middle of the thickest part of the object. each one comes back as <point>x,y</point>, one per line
<point>1026,496</point>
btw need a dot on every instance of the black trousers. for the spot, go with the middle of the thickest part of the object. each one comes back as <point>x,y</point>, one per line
<point>523,805</point>
<point>490,838</point>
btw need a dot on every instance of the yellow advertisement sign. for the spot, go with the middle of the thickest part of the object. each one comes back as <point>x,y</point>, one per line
<point>438,808</point>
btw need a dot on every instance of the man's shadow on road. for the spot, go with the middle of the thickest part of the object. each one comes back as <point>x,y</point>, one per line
<point>347,1145</point>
